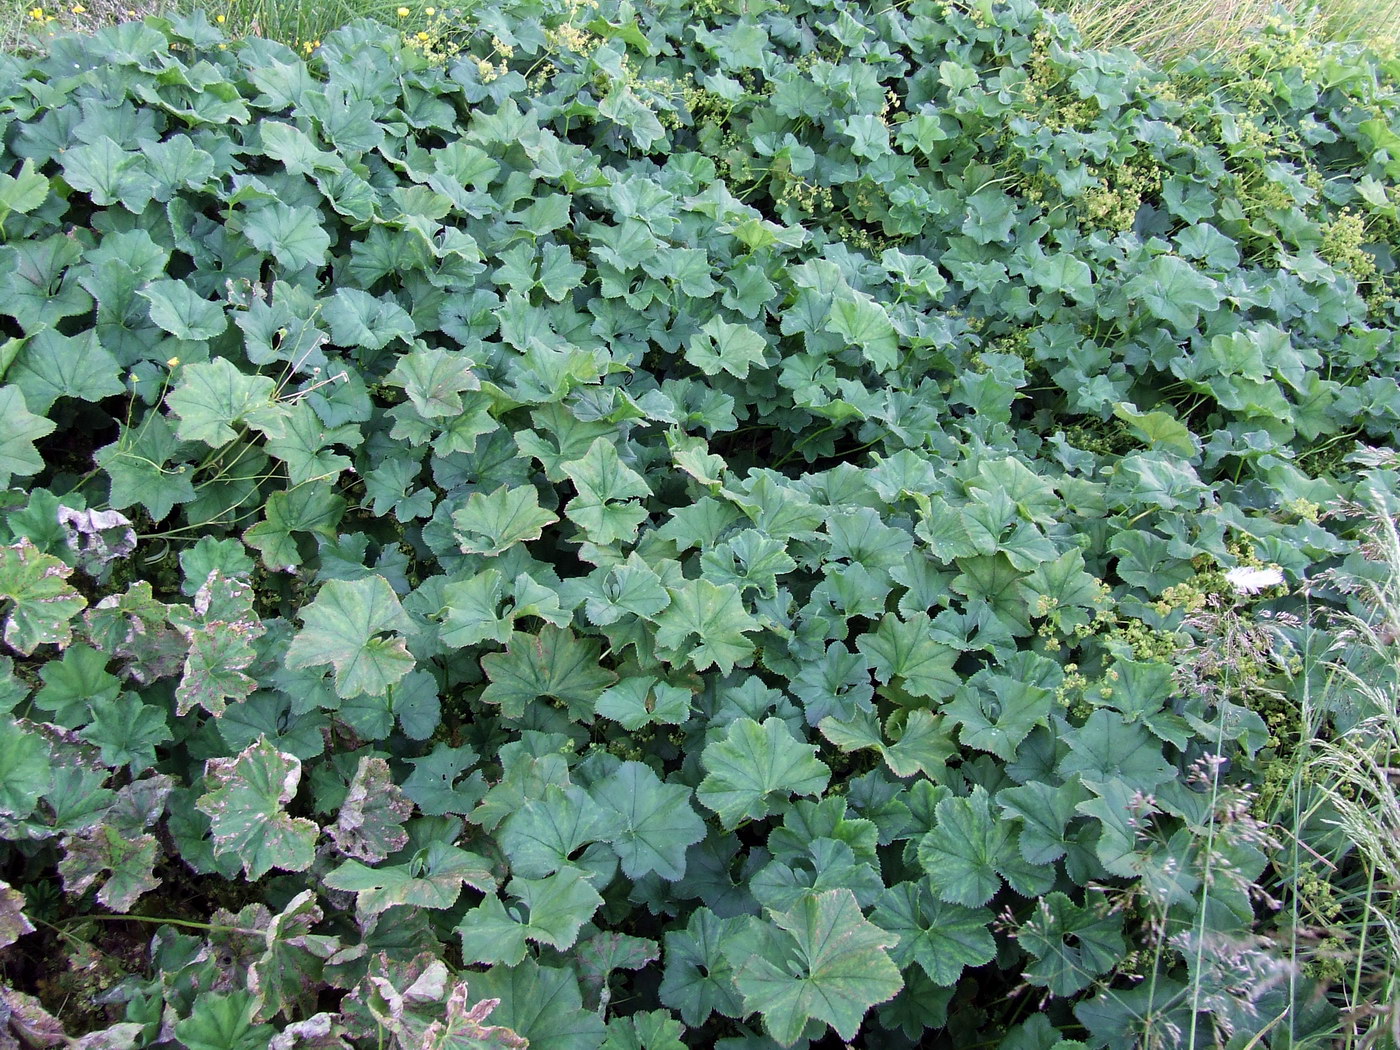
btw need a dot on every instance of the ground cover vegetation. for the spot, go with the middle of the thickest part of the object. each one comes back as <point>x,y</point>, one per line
<point>638,526</point>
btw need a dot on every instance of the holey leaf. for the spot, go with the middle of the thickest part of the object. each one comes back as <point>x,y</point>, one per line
<point>837,967</point>
<point>755,769</point>
<point>351,626</point>
<point>245,810</point>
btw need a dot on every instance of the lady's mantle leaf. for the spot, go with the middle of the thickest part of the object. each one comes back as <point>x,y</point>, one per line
<point>24,769</point>
<point>433,879</point>
<point>539,837</point>
<point>182,313</point>
<point>14,924</point>
<point>434,381</point>
<point>755,769</point>
<point>543,1004</point>
<point>905,649</point>
<point>370,825</point>
<point>718,619</point>
<point>211,398</point>
<point>1070,945</point>
<point>969,848</point>
<point>942,938</point>
<point>654,820</point>
<point>343,628</point>
<point>1106,748</point>
<point>839,969</point>
<point>698,978</point>
<point>19,428</point>
<point>720,345</point>
<point>291,235</point>
<point>39,602</point>
<point>464,1029</point>
<point>490,524</point>
<point>550,911</point>
<point>221,628</point>
<point>245,810</point>
<point>556,664</point>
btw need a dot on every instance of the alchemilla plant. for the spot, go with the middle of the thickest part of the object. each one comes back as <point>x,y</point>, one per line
<point>634,525</point>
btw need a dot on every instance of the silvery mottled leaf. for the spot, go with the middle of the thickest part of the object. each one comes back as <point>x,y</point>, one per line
<point>97,537</point>
<point>370,825</point>
<point>13,922</point>
<point>245,805</point>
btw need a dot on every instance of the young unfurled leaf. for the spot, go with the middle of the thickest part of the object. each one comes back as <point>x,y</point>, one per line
<point>245,806</point>
<point>755,769</point>
<point>370,824</point>
<point>839,969</point>
<point>346,627</point>
<point>36,597</point>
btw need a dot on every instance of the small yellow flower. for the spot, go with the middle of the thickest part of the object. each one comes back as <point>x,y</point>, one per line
<point>37,14</point>
<point>173,362</point>
<point>220,19</point>
<point>403,12</point>
<point>423,36</point>
<point>223,47</point>
<point>430,11</point>
<point>78,9</point>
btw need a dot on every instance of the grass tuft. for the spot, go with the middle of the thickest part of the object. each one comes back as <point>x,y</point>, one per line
<point>1166,31</point>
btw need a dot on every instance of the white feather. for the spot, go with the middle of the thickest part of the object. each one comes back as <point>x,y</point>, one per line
<point>1247,580</point>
